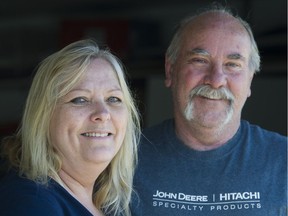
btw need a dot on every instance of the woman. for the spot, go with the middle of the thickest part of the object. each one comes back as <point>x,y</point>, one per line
<point>75,151</point>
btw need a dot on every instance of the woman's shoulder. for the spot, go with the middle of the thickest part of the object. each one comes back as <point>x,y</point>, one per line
<point>19,195</point>
<point>22,196</point>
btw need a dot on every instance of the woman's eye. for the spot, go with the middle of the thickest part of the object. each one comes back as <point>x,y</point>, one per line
<point>114,100</point>
<point>79,101</point>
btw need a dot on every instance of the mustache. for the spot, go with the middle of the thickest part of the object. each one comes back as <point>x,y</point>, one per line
<point>211,93</point>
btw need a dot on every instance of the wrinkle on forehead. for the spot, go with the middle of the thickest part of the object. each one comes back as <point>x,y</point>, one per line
<point>213,28</point>
<point>203,52</point>
<point>216,20</point>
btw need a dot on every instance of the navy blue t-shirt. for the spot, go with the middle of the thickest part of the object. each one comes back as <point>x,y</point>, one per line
<point>23,197</point>
<point>245,177</point>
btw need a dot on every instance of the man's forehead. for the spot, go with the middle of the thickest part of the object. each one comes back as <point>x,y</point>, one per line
<point>204,52</point>
<point>214,20</point>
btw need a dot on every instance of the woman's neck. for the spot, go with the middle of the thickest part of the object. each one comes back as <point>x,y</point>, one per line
<point>83,192</point>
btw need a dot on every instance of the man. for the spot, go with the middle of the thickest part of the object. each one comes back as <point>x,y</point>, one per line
<point>207,161</point>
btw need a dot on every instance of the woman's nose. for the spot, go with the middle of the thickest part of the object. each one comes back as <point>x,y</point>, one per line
<point>100,113</point>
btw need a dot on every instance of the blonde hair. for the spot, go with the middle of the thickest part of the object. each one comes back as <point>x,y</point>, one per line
<point>31,150</point>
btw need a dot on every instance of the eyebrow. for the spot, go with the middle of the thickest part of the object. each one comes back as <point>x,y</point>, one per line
<point>115,89</point>
<point>79,89</point>
<point>236,56</point>
<point>200,51</point>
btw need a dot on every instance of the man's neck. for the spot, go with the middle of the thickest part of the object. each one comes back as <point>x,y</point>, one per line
<point>203,138</point>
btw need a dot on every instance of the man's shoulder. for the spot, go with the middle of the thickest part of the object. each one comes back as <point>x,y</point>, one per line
<point>257,132</point>
<point>156,136</point>
<point>158,132</point>
<point>265,142</point>
<point>155,130</point>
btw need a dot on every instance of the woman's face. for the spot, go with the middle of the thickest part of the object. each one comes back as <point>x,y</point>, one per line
<point>89,123</point>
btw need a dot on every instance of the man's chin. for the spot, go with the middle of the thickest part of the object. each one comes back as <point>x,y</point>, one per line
<point>216,121</point>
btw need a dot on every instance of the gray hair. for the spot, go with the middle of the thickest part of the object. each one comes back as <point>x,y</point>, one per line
<point>173,49</point>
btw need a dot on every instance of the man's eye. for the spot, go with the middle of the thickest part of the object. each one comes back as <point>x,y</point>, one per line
<point>79,101</point>
<point>114,100</point>
<point>198,61</point>
<point>232,64</point>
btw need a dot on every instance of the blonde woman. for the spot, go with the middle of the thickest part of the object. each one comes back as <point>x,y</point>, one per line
<point>75,151</point>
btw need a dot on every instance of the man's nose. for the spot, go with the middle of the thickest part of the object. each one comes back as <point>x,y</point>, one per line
<point>215,77</point>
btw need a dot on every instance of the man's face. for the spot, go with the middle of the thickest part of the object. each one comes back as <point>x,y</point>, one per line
<point>213,56</point>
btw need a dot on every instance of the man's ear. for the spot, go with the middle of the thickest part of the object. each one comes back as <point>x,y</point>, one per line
<point>249,92</point>
<point>168,73</point>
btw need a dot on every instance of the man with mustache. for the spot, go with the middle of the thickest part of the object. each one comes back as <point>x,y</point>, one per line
<point>206,160</point>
